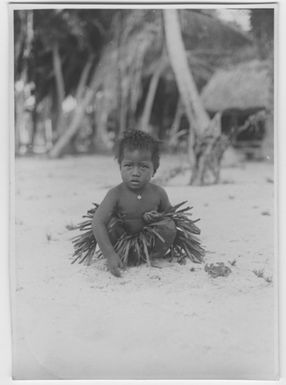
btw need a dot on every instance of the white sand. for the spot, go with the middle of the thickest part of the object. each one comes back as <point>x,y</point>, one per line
<point>74,321</point>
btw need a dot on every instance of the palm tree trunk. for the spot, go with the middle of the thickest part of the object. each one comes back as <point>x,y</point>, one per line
<point>21,91</point>
<point>121,97</point>
<point>101,141</point>
<point>34,124</point>
<point>19,118</point>
<point>195,111</point>
<point>199,121</point>
<point>268,142</point>
<point>173,135</point>
<point>74,126</point>
<point>151,96</point>
<point>83,78</point>
<point>60,88</point>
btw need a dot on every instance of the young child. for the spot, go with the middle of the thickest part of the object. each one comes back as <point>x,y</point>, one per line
<point>136,199</point>
<point>135,222</point>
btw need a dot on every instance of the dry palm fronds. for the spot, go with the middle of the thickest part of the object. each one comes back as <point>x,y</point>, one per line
<point>186,244</point>
<point>85,244</point>
<point>137,248</point>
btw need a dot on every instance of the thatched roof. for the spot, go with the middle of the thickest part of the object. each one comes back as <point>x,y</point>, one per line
<point>204,31</point>
<point>141,48</point>
<point>244,86</point>
<point>136,54</point>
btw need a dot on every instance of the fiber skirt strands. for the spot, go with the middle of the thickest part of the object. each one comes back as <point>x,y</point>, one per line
<point>172,232</point>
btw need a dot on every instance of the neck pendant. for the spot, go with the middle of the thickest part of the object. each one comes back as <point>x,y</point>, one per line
<point>139,197</point>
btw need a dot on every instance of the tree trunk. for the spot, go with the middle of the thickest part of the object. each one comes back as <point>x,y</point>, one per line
<point>59,87</point>
<point>19,115</point>
<point>22,90</point>
<point>34,126</point>
<point>135,85</point>
<point>74,125</point>
<point>268,142</point>
<point>83,78</point>
<point>173,135</point>
<point>65,138</point>
<point>200,147</point>
<point>208,152</point>
<point>195,111</point>
<point>101,141</point>
<point>121,98</point>
<point>151,96</point>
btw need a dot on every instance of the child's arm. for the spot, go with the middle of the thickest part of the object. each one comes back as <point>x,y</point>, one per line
<point>164,205</point>
<point>164,200</point>
<point>99,228</point>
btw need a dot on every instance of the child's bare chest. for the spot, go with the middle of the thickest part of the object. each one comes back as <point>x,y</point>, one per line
<point>133,205</point>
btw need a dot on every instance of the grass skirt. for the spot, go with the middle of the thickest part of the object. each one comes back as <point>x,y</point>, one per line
<point>138,247</point>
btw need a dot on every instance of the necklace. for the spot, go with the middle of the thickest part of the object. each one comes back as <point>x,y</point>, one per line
<point>139,197</point>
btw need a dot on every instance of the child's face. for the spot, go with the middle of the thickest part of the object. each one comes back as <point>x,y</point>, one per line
<point>136,168</point>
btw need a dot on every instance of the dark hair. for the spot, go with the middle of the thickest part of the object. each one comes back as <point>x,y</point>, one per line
<point>138,140</point>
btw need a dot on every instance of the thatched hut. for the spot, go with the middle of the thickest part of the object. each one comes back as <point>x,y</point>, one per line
<point>242,94</point>
<point>133,84</point>
<point>138,62</point>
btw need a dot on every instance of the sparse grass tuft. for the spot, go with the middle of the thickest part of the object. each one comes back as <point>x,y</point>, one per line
<point>49,237</point>
<point>268,279</point>
<point>261,274</point>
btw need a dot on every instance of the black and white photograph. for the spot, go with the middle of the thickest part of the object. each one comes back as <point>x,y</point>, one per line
<point>143,191</point>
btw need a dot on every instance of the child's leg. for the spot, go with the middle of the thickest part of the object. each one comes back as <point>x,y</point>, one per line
<point>115,230</point>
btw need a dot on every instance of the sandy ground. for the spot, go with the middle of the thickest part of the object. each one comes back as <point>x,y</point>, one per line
<point>79,322</point>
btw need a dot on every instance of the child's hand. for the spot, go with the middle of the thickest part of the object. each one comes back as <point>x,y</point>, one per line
<point>151,216</point>
<point>114,264</point>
